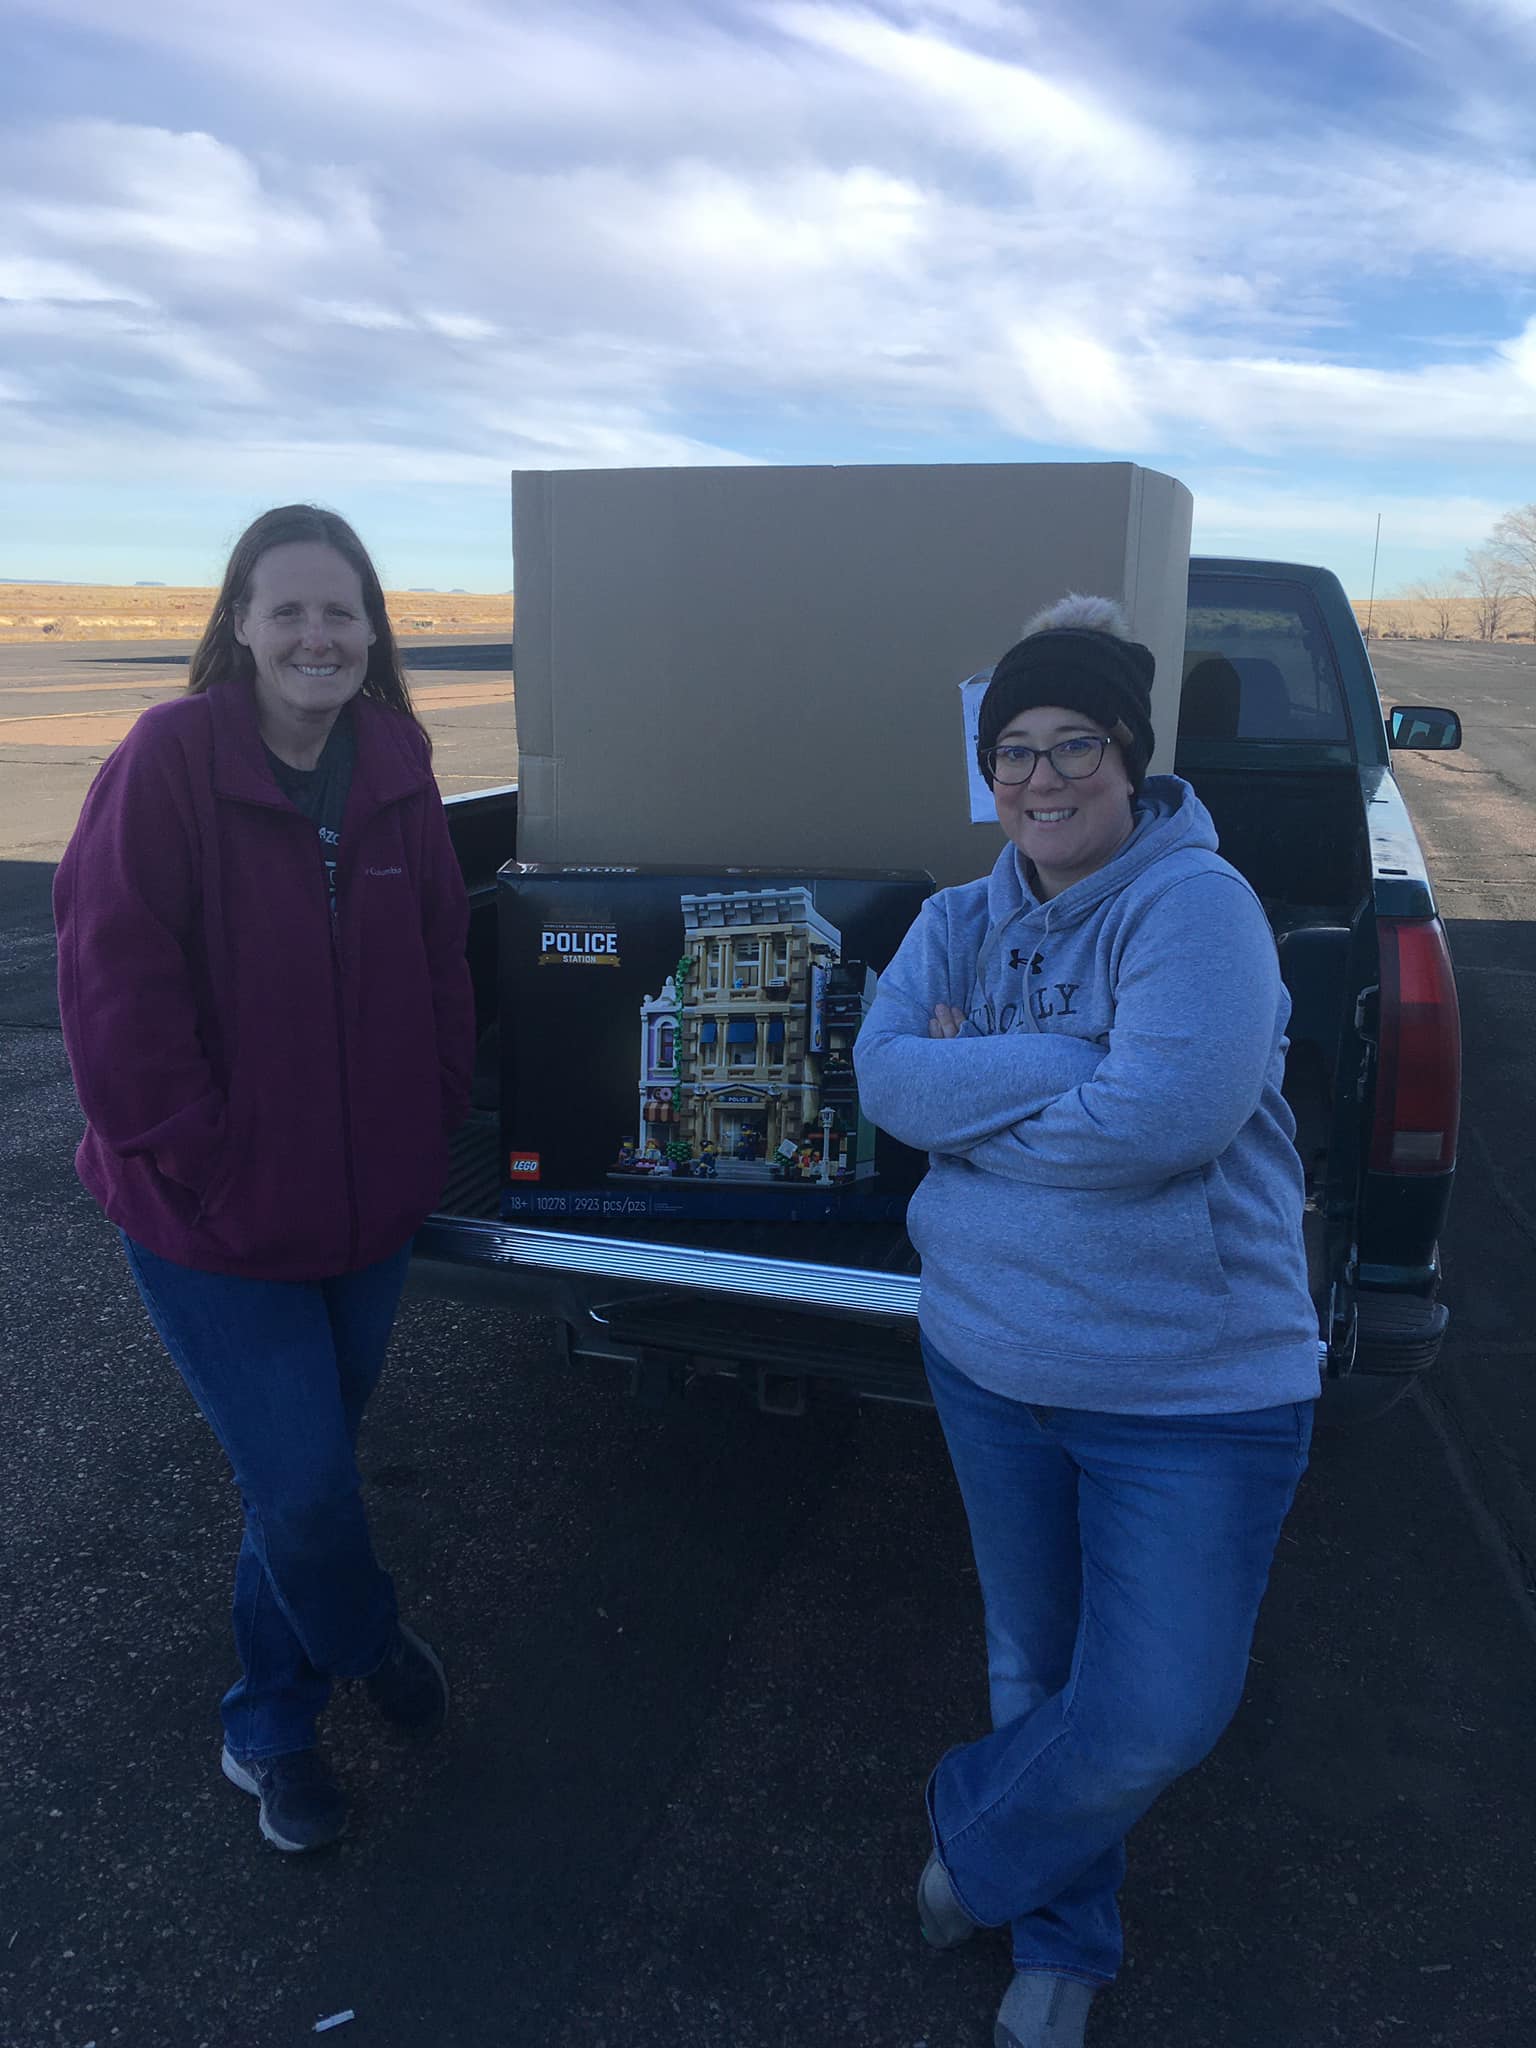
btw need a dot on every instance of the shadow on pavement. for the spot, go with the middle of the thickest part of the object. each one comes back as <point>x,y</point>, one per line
<point>138,660</point>
<point>475,654</point>
<point>28,988</point>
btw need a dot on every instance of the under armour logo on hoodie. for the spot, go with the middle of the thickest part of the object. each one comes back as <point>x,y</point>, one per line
<point>1016,961</point>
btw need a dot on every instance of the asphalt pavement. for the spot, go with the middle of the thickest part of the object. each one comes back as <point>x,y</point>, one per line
<point>1475,811</point>
<point>703,1659</point>
<point>63,708</point>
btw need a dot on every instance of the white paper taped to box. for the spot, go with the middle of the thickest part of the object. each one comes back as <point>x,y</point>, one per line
<point>972,690</point>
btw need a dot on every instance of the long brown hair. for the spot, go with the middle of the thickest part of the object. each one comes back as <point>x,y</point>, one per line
<point>220,658</point>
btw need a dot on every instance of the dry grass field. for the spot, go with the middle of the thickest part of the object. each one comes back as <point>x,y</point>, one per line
<point>33,612</point>
<point>1414,618</point>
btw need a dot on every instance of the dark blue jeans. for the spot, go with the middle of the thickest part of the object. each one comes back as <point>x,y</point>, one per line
<point>282,1372</point>
<point>1122,1561</point>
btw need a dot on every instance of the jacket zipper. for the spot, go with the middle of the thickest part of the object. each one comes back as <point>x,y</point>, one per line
<point>333,919</point>
<point>333,925</point>
<point>333,922</point>
<point>330,899</point>
<point>355,1231</point>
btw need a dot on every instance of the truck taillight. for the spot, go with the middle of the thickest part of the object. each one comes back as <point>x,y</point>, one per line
<point>1418,1071</point>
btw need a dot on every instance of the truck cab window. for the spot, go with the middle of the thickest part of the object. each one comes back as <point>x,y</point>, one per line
<point>1276,677</point>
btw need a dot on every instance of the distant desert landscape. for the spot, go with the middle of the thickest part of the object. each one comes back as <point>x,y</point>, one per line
<point>31,612</point>
<point>39,612</point>
<point>1417,618</point>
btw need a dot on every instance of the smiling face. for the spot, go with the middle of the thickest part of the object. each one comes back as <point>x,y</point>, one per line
<point>306,625</point>
<point>1067,829</point>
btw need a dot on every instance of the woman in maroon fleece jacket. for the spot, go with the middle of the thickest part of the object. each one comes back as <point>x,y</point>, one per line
<point>269,1016</point>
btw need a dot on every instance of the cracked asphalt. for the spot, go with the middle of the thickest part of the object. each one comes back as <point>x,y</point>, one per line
<point>702,1659</point>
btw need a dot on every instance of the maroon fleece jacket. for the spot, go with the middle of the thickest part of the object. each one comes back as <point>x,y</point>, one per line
<point>263,1096</point>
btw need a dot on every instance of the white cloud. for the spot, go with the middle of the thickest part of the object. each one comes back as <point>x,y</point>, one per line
<point>585,233</point>
<point>1377,19</point>
<point>1011,111</point>
<point>1515,14</point>
<point>555,81</point>
<point>476,447</point>
<point>1059,382</point>
<point>1267,403</point>
<point>806,227</point>
<point>356,313</point>
<point>1401,207</point>
<point>202,368</point>
<point>458,326</point>
<point>27,278</point>
<point>145,191</point>
<point>1520,354</point>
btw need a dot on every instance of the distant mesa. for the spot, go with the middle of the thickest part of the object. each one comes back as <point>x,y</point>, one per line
<point>148,583</point>
<point>458,590</point>
<point>425,590</point>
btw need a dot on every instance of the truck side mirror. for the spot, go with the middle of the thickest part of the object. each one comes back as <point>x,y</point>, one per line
<point>1423,726</point>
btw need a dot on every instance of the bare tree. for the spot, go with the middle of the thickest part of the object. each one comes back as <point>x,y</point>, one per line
<point>1389,620</point>
<point>1487,580</point>
<point>1514,542</point>
<point>1437,595</point>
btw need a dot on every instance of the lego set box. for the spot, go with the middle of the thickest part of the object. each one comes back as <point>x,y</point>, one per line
<point>681,1044</point>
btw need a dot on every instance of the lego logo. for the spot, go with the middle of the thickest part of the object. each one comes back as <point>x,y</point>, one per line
<point>524,1166</point>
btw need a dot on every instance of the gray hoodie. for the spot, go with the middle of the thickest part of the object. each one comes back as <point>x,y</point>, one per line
<point>1112,1215</point>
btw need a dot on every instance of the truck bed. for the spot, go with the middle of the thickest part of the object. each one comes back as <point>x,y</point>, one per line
<point>1312,817</point>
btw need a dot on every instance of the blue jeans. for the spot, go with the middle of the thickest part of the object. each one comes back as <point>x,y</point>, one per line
<point>1122,1561</point>
<point>282,1372</point>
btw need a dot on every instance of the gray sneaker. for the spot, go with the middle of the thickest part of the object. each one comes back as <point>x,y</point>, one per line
<point>409,1688</point>
<point>944,1921</point>
<point>302,1806</point>
<point>1040,2010</point>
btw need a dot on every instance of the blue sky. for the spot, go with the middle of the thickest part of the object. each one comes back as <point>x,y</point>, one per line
<point>382,255</point>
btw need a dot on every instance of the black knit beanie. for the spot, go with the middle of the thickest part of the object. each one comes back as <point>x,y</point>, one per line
<point>1107,679</point>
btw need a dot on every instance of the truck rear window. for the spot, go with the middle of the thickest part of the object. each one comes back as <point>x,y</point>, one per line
<point>1258,665</point>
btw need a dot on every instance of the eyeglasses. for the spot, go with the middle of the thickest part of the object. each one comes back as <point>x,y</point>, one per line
<point>1074,760</point>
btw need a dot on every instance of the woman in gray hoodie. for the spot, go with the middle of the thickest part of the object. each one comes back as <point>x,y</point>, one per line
<point>1089,1043</point>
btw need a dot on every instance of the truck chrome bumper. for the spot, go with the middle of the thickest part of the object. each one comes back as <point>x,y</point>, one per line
<point>795,1283</point>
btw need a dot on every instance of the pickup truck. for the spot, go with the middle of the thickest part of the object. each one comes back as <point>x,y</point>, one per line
<point>1282,734</point>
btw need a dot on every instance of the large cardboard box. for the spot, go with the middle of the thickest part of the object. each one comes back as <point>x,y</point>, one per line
<point>759,665</point>
<point>681,1044</point>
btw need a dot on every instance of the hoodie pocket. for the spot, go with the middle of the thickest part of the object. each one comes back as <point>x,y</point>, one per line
<point>1132,1273</point>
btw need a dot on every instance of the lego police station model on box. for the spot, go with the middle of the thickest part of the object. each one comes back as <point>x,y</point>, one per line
<point>684,1044</point>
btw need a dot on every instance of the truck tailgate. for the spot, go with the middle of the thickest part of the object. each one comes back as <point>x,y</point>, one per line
<point>875,1273</point>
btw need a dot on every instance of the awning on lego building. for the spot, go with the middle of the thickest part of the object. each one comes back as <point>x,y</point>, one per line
<point>741,1031</point>
<point>709,1031</point>
<point>775,1030</point>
